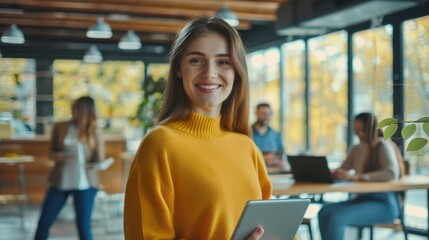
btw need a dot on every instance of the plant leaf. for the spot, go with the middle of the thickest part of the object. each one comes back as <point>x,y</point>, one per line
<point>423,120</point>
<point>416,144</point>
<point>408,131</point>
<point>386,122</point>
<point>426,128</point>
<point>390,130</point>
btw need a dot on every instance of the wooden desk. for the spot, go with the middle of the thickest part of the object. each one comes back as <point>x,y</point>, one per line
<point>285,185</point>
<point>22,196</point>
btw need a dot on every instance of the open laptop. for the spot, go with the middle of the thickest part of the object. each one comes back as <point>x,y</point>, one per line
<point>310,169</point>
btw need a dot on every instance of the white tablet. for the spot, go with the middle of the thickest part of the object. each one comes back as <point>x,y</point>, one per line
<point>280,218</point>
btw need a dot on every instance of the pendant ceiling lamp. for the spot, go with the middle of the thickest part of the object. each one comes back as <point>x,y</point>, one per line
<point>99,30</point>
<point>130,41</point>
<point>229,16</point>
<point>13,35</point>
<point>93,55</point>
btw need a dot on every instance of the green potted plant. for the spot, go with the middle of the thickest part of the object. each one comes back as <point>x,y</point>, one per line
<point>390,126</point>
<point>149,106</point>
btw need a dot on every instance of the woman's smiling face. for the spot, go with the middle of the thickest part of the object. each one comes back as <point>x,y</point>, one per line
<point>207,73</point>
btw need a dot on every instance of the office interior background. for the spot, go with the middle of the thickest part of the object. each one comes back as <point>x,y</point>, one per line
<point>317,62</point>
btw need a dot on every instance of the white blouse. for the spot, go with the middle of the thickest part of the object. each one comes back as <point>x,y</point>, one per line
<point>74,175</point>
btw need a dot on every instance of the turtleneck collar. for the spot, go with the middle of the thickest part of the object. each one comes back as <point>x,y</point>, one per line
<point>200,125</point>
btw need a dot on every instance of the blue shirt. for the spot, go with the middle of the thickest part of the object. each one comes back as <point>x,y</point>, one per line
<point>271,141</point>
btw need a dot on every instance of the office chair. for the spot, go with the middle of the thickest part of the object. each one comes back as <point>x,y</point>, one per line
<point>397,224</point>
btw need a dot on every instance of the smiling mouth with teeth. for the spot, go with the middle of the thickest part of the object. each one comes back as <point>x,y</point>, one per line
<point>208,87</point>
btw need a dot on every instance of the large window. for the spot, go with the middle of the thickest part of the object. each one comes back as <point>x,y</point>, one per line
<point>416,69</point>
<point>293,97</point>
<point>328,95</point>
<point>18,94</point>
<point>372,65</point>
<point>158,71</point>
<point>264,77</point>
<point>416,65</point>
<point>115,86</point>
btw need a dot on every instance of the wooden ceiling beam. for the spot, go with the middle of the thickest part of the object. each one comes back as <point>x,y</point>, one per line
<point>79,21</point>
<point>261,11</point>
<point>124,26</point>
<point>78,35</point>
<point>192,1</point>
<point>266,6</point>
<point>68,20</point>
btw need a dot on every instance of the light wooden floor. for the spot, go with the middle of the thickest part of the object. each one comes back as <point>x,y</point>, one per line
<point>111,228</point>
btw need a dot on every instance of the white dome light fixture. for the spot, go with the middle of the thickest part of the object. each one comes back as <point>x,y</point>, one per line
<point>100,30</point>
<point>13,35</point>
<point>229,16</point>
<point>93,55</point>
<point>130,41</point>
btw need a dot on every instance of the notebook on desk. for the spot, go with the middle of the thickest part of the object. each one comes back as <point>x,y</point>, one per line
<point>310,169</point>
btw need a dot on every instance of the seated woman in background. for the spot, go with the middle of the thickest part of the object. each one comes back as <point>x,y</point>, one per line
<point>373,159</point>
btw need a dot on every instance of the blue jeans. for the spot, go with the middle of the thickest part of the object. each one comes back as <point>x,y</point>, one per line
<point>55,199</point>
<point>364,210</point>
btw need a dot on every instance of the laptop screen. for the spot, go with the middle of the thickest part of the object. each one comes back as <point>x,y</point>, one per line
<point>310,169</point>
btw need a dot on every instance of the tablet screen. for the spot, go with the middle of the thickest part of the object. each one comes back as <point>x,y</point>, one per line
<point>280,218</point>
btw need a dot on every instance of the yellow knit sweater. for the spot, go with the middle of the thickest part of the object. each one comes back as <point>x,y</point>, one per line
<point>190,180</point>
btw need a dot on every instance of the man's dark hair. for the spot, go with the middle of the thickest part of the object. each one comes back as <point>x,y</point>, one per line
<point>263,105</point>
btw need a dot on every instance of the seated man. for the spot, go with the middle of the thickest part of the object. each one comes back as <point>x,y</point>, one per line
<point>267,139</point>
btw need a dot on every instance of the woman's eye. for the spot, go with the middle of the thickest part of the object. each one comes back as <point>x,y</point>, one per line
<point>224,62</point>
<point>196,60</point>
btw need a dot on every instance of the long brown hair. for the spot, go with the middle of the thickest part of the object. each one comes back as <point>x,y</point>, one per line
<point>235,109</point>
<point>84,116</point>
<point>372,138</point>
<point>370,126</point>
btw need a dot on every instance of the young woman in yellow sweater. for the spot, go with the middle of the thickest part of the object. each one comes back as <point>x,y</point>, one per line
<point>194,172</point>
